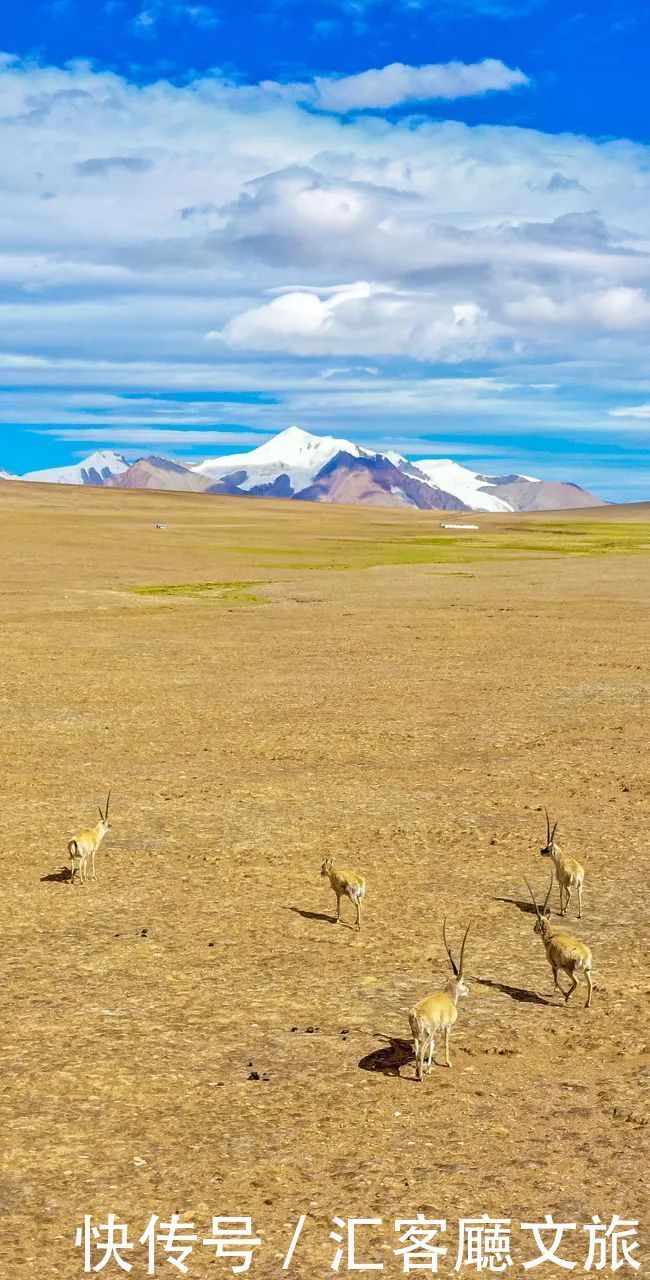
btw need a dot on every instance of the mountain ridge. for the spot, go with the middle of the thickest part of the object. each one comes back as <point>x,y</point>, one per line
<point>295,464</point>
<point>95,469</point>
<point>375,482</point>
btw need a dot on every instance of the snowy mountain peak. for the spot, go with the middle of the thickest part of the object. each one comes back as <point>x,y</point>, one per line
<point>95,469</point>
<point>467,485</point>
<point>295,445</point>
<point>103,456</point>
<point>293,437</point>
<point>294,453</point>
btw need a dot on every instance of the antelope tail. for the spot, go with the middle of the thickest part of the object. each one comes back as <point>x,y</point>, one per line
<point>416,1028</point>
<point>73,848</point>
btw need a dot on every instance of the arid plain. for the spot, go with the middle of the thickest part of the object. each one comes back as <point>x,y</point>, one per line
<point>355,683</point>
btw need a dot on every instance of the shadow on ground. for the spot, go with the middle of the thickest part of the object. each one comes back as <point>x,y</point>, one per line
<point>527,907</point>
<point>515,993</point>
<point>313,915</point>
<point>57,877</point>
<point>396,1054</point>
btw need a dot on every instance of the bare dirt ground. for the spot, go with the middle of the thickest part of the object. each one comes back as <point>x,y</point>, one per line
<point>408,719</point>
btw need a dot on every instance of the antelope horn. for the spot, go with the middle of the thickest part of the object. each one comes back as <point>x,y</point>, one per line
<point>444,938</point>
<point>534,900</point>
<point>462,951</point>
<point>553,833</point>
<point>548,826</point>
<point>108,800</point>
<point>548,894</point>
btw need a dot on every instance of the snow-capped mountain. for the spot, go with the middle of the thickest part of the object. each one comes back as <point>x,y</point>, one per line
<point>296,464</point>
<point>6,475</point>
<point>96,469</point>
<point>467,485</point>
<point>300,465</point>
<point>293,453</point>
<point>301,458</point>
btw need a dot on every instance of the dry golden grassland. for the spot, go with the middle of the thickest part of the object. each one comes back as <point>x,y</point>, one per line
<point>264,684</point>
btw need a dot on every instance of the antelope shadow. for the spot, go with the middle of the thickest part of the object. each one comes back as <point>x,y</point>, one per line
<point>314,915</point>
<point>526,907</point>
<point>322,915</point>
<point>388,1060</point>
<point>63,876</point>
<point>521,994</point>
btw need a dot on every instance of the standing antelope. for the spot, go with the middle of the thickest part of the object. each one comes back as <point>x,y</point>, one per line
<point>85,846</point>
<point>438,1012</point>
<point>346,884</point>
<point>562,950</point>
<point>568,873</point>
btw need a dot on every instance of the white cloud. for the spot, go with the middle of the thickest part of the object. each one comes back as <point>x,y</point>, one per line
<point>364,319</point>
<point>399,83</point>
<point>622,308</point>
<point>641,411</point>
<point>613,309</point>
<point>415,242</point>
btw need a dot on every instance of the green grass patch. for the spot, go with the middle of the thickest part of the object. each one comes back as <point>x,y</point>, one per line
<point>359,547</point>
<point>240,592</point>
<point>525,538</point>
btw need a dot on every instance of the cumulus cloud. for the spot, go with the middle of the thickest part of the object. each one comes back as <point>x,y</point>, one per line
<point>398,84</point>
<point>364,319</point>
<point>619,308</point>
<point>308,241</point>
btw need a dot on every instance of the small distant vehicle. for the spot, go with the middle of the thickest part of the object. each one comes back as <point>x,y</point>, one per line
<point>458,526</point>
<point>160,525</point>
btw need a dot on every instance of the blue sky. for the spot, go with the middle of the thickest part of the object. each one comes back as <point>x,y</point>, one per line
<point>423,225</point>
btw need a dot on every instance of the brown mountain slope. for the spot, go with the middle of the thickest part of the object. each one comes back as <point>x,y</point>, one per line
<point>544,495</point>
<point>159,473</point>
<point>628,512</point>
<point>375,482</point>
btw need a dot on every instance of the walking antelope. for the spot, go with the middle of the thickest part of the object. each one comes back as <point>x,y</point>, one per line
<point>568,873</point>
<point>437,1012</point>
<point>346,884</point>
<point>86,844</point>
<point>562,950</point>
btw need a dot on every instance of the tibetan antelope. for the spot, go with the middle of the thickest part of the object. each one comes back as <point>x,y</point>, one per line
<point>438,1012</point>
<point>346,884</point>
<point>562,951</point>
<point>85,846</point>
<point>568,873</point>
